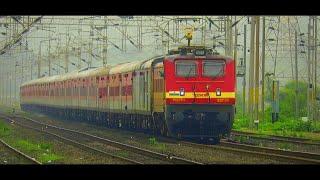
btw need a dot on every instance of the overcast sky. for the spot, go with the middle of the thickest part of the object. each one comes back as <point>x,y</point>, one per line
<point>57,27</point>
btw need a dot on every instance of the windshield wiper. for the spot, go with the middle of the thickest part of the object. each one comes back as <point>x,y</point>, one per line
<point>189,73</point>
<point>218,74</point>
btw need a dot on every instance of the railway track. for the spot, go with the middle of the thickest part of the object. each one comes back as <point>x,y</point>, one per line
<point>302,141</point>
<point>46,128</point>
<point>292,156</point>
<point>72,142</point>
<point>19,153</point>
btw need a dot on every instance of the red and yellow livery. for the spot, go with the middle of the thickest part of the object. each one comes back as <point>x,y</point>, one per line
<point>187,94</point>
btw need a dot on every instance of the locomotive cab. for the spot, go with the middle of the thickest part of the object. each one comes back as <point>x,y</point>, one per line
<point>199,94</point>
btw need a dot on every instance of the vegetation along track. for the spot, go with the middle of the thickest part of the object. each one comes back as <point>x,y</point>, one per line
<point>69,141</point>
<point>296,140</point>
<point>19,153</point>
<point>22,121</point>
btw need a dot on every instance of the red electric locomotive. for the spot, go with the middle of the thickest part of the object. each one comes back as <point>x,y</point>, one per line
<point>199,93</point>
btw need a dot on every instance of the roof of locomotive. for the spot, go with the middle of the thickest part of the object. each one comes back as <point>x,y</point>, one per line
<point>192,56</point>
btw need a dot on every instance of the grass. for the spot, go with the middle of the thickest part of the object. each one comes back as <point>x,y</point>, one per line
<point>241,139</point>
<point>40,149</point>
<point>287,125</point>
<point>279,129</point>
<point>122,154</point>
<point>5,130</point>
<point>17,109</point>
<point>49,157</point>
<point>284,146</point>
<point>156,145</point>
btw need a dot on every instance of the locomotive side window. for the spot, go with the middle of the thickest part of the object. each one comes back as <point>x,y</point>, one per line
<point>186,69</point>
<point>213,68</point>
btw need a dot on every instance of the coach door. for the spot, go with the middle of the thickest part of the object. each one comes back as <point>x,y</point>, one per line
<point>124,92</point>
<point>100,93</point>
<point>141,91</point>
<point>147,90</point>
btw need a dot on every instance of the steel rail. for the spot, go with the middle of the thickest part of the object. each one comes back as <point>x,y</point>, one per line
<point>25,156</point>
<point>296,140</point>
<point>313,157</point>
<point>253,151</point>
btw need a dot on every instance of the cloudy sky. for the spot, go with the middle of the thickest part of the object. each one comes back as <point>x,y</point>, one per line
<point>119,37</point>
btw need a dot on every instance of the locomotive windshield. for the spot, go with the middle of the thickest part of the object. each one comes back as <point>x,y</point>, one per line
<point>213,68</point>
<point>186,69</point>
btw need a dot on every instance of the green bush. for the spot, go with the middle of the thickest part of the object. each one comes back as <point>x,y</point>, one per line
<point>152,141</point>
<point>5,130</point>
<point>241,122</point>
<point>287,122</point>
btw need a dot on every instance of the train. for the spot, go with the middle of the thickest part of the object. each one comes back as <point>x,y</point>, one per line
<point>188,93</point>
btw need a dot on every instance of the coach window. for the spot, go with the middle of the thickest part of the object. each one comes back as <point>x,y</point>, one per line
<point>185,68</point>
<point>213,68</point>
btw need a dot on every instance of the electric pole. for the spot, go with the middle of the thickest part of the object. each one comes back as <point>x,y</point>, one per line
<point>91,43</point>
<point>105,42</point>
<point>263,65</point>
<point>228,35</point>
<point>10,80</point>
<point>67,53</point>
<point>315,110</point>
<point>7,79</point>
<point>49,58</point>
<point>235,52</point>
<point>80,45</point>
<point>296,74</point>
<point>39,61</point>
<point>245,69</point>
<point>311,68</point>
<point>15,80</point>
<point>308,69</point>
<point>256,88</point>
<point>251,69</point>
<point>2,84</point>
<point>31,66</point>
<point>25,56</point>
<point>90,51</point>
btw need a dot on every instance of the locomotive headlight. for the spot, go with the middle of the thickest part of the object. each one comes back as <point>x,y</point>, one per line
<point>218,92</point>
<point>181,91</point>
